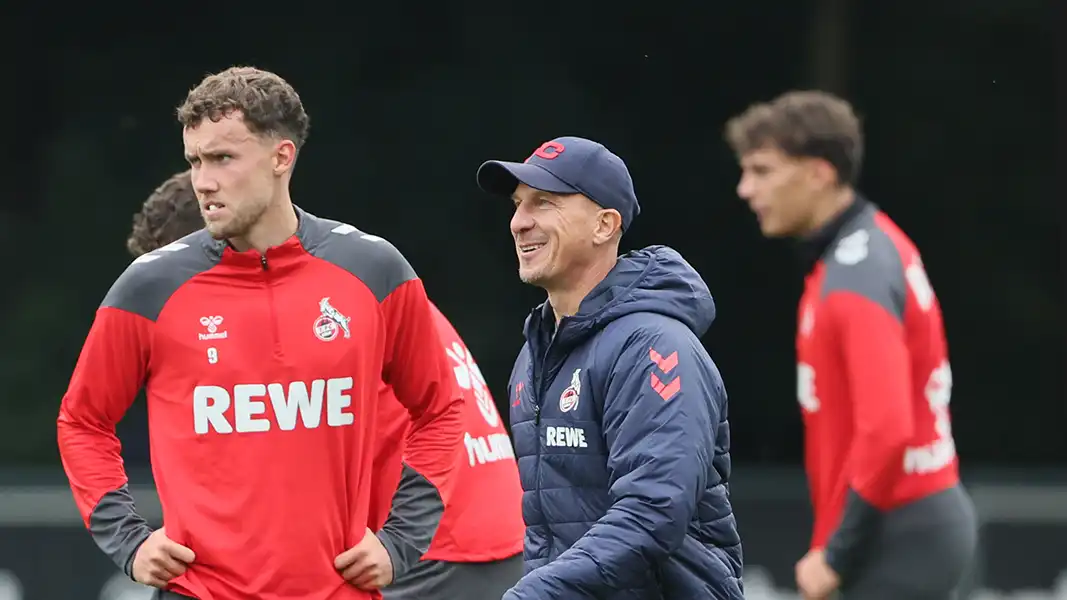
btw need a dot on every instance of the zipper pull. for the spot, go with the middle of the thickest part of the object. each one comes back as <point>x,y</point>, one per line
<point>263,261</point>
<point>537,415</point>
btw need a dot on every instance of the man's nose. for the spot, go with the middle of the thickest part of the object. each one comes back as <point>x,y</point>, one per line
<point>521,221</point>
<point>203,182</point>
<point>744,188</point>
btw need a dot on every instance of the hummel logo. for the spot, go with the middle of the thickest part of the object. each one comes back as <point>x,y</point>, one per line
<point>212,324</point>
<point>665,364</point>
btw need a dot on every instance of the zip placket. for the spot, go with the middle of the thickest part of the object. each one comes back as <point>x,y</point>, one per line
<point>541,383</point>
<point>536,371</point>
<point>275,337</point>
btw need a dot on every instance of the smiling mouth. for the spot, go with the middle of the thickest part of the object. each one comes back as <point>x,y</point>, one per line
<point>530,248</point>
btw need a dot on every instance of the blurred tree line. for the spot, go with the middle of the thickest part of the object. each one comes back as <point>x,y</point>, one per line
<point>957,98</point>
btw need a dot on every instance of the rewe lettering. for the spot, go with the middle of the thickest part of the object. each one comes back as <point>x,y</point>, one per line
<point>565,437</point>
<point>245,409</point>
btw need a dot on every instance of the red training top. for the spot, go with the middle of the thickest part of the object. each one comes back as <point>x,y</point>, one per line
<point>261,374</point>
<point>483,520</point>
<point>874,380</point>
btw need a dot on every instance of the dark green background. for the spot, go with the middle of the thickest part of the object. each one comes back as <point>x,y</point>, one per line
<point>406,102</point>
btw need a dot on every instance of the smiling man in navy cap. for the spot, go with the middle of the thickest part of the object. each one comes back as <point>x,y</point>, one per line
<point>619,414</point>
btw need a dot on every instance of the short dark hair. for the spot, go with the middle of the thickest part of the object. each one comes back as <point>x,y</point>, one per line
<point>267,103</point>
<point>803,124</point>
<point>170,213</point>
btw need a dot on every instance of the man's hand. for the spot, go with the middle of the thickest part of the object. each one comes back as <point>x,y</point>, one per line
<point>367,564</point>
<point>815,579</point>
<point>160,559</point>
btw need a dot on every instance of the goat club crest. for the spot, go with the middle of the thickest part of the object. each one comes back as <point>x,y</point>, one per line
<point>330,322</point>
<point>568,400</point>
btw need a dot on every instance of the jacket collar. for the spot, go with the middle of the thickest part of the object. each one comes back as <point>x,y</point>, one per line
<point>811,247</point>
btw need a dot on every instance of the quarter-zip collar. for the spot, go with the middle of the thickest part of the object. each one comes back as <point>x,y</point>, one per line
<point>276,257</point>
<point>810,248</point>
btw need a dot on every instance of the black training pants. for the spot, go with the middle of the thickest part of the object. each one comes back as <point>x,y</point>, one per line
<point>923,552</point>
<point>438,580</point>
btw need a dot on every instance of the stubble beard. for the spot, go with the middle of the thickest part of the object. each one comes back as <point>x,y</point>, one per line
<point>239,225</point>
<point>535,277</point>
<point>218,231</point>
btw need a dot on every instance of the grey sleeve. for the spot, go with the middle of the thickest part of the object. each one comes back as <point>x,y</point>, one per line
<point>413,520</point>
<point>850,546</point>
<point>117,528</point>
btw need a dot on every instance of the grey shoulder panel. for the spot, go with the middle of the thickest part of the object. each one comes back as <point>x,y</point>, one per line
<point>152,278</point>
<point>117,528</point>
<point>413,520</point>
<point>371,259</point>
<point>863,260</point>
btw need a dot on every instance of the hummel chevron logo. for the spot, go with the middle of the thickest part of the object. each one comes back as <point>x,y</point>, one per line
<point>666,365</point>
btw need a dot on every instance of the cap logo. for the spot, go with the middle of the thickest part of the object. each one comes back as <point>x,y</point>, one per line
<point>548,151</point>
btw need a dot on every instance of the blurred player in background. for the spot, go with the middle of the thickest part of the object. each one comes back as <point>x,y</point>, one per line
<point>892,520</point>
<point>477,551</point>
<point>261,342</point>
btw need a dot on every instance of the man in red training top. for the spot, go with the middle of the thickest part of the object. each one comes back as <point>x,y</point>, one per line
<point>476,552</point>
<point>891,518</point>
<point>261,342</point>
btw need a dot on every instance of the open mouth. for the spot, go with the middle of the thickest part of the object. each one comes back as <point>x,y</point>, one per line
<point>212,208</point>
<point>526,249</point>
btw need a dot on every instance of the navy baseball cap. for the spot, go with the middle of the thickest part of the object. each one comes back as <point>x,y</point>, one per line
<point>567,165</point>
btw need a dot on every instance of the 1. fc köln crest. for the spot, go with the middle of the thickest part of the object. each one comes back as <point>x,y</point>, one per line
<point>568,400</point>
<point>330,322</point>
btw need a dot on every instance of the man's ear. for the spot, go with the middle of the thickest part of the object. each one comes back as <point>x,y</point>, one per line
<point>608,226</point>
<point>822,172</point>
<point>284,156</point>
